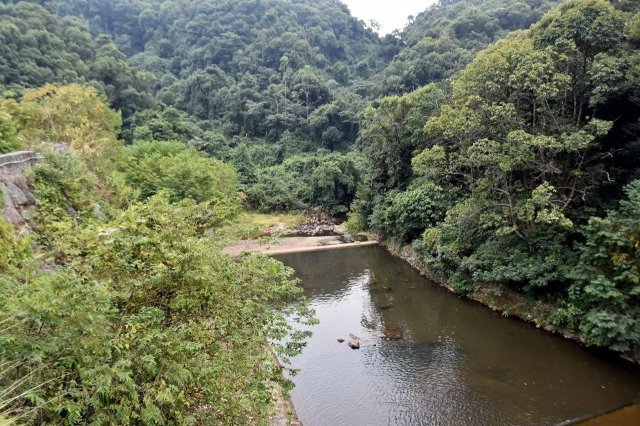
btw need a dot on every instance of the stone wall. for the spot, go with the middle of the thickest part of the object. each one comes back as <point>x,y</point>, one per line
<point>16,197</point>
<point>17,162</point>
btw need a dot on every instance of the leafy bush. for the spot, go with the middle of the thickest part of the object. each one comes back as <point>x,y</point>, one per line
<point>604,300</point>
<point>412,211</point>
<point>9,126</point>
<point>535,268</point>
<point>180,171</point>
<point>75,115</point>
<point>137,317</point>
<point>321,181</point>
<point>147,323</point>
<point>276,189</point>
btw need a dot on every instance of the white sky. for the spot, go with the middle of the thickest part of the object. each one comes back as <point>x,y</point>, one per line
<point>390,14</point>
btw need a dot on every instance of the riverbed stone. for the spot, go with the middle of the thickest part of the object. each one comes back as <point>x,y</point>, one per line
<point>354,341</point>
<point>392,332</point>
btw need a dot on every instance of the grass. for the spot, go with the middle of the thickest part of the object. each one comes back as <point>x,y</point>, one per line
<point>261,220</point>
<point>249,225</point>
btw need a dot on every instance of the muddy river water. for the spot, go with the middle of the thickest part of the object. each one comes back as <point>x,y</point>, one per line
<point>456,363</point>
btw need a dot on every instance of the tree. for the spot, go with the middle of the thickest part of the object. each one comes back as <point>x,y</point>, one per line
<point>74,115</point>
<point>180,172</point>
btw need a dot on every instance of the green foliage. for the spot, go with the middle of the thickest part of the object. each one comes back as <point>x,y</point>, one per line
<point>15,252</point>
<point>134,315</point>
<point>324,181</point>
<point>148,323</point>
<point>73,115</point>
<point>409,212</point>
<point>39,47</point>
<point>392,129</point>
<point>66,194</point>
<point>510,173</point>
<point>180,171</point>
<point>536,140</point>
<point>443,39</point>
<point>168,124</point>
<point>251,69</point>
<point>10,126</point>
<point>604,300</point>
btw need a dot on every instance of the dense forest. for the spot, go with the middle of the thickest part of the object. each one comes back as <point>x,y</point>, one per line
<point>443,39</point>
<point>498,138</point>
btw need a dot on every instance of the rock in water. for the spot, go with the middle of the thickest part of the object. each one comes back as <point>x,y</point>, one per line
<point>385,305</point>
<point>354,341</point>
<point>340,340</point>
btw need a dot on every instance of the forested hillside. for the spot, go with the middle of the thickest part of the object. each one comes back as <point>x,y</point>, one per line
<point>37,47</point>
<point>525,173</point>
<point>498,138</point>
<point>444,38</point>
<point>256,83</point>
<point>248,68</point>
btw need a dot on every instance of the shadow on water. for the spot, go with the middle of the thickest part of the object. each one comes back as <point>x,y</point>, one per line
<point>427,357</point>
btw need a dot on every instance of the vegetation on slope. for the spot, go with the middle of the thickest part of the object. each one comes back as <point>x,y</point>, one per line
<point>138,317</point>
<point>39,47</point>
<point>247,68</point>
<point>515,176</point>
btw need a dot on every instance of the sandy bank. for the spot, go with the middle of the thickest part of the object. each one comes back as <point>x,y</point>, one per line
<point>293,245</point>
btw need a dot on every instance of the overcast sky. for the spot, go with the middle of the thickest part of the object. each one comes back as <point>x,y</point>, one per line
<point>390,14</point>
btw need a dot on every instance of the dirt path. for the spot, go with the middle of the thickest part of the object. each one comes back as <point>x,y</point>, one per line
<point>292,245</point>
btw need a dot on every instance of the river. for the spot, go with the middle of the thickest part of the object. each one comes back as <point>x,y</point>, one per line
<point>457,363</point>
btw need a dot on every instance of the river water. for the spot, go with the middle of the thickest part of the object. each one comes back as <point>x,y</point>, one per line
<point>457,363</point>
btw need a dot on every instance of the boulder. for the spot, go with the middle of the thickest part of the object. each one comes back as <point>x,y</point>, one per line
<point>354,341</point>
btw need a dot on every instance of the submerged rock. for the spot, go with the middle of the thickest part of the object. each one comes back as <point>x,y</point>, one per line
<point>385,306</point>
<point>392,332</point>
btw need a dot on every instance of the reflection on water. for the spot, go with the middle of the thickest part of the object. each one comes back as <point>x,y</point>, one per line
<point>457,363</point>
